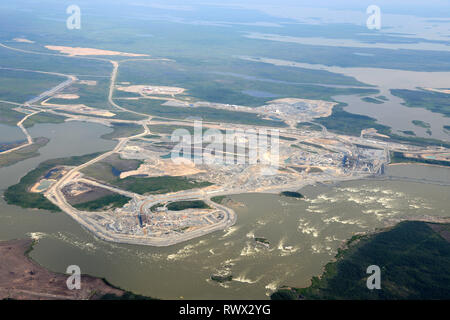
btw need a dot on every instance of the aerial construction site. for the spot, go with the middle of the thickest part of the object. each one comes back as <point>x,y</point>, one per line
<point>161,183</point>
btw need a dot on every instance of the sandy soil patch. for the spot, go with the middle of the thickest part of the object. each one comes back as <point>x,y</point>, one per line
<point>66,96</point>
<point>130,98</point>
<point>22,40</point>
<point>164,167</point>
<point>91,52</point>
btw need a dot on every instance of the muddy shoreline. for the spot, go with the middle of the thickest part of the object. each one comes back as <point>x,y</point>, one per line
<point>21,278</point>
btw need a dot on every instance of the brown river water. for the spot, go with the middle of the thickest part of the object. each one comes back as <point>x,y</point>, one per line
<point>304,234</point>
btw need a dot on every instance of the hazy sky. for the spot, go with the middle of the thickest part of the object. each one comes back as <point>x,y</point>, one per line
<point>424,8</point>
<point>439,8</point>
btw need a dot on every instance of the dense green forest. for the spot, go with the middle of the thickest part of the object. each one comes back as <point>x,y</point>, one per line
<point>414,258</point>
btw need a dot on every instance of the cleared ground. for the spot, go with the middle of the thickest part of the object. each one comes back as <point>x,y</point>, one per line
<point>23,279</point>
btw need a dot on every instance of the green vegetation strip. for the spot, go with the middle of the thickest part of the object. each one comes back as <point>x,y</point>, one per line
<point>308,126</point>
<point>382,98</point>
<point>156,206</point>
<point>408,132</point>
<point>421,124</point>
<point>218,199</point>
<point>222,279</point>
<point>262,240</point>
<point>103,171</point>
<point>183,205</point>
<point>372,100</point>
<point>142,185</point>
<point>8,159</point>
<point>158,185</point>
<point>398,157</point>
<point>316,146</point>
<point>343,122</point>
<point>43,118</point>
<point>287,138</point>
<point>20,86</point>
<point>9,116</point>
<point>122,130</point>
<point>152,136</point>
<point>109,201</point>
<point>153,107</point>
